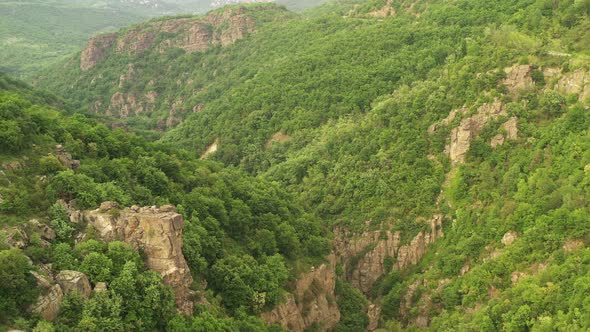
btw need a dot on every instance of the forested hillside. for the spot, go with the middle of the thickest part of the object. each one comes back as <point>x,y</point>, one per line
<point>380,165</point>
<point>262,250</point>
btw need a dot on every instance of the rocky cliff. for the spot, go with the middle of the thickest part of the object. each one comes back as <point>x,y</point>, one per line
<point>312,301</point>
<point>96,50</point>
<point>364,256</point>
<point>158,233</point>
<point>191,34</point>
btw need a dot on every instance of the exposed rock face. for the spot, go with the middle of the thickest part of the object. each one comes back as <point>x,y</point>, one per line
<point>279,138</point>
<point>210,149</point>
<point>46,232</point>
<point>509,238</point>
<point>364,257</point>
<point>65,158</point>
<point>74,281</point>
<point>469,128</point>
<point>190,34</point>
<point>448,120</point>
<point>47,306</point>
<point>238,23</point>
<point>129,76</point>
<point>423,303</point>
<point>312,301</point>
<point>518,78</point>
<point>511,129</point>
<point>374,313</point>
<point>577,81</point>
<point>407,304</point>
<point>125,104</point>
<point>15,237</point>
<point>96,50</point>
<point>385,11</point>
<point>158,232</point>
<point>373,246</point>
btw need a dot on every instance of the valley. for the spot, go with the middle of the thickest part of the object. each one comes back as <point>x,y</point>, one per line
<point>383,165</point>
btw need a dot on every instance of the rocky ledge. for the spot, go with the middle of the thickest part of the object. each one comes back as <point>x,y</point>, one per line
<point>155,231</point>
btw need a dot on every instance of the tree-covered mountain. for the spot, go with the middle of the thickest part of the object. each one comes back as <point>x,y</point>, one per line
<point>233,224</point>
<point>428,158</point>
<point>35,33</point>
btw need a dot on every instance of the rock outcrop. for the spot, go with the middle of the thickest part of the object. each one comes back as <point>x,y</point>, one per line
<point>311,302</point>
<point>65,158</point>
<point>374,314</point>
<point>577,81</point>
<point>509,238</point>
<point>210,149</point>
<point>47,305</point>
<point>469,128</point>
<point>384,11</point>
<point>158,233</point>
<point>125,104</point>
<point>511,132</point>
<point>74,281</point>
<point>191,34</point>
<point>364,256</point>
<point>96,50</point>
<point>518,78</point>
<point>15,237</point>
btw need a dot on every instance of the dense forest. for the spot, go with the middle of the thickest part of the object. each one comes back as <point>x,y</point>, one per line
<point>394,164</point>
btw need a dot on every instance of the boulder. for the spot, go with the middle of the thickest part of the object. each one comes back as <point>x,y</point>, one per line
<point>74,281</point>
<point>15,237</point>
<point>45,231</point>
<point>100,287</point>
<point>47,305</point>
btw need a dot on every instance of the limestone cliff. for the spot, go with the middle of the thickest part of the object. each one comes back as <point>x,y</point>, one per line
<point>156,231</point>
<point>312,301</point>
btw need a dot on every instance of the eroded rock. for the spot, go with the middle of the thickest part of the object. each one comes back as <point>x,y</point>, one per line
<point>577,82</point>
<point>15,237</point>
<point>312,301</point>
<point>374,314</point>
<point>47,305</point>
<point>509,238</point>
<point>364,256</point>
<point>100,287</point>
<point>96,50</point>
<point>74,281</point>
<point>469,128</point>
<point>511,129</point>
<point>158,232</point>
<point>65,158</point>
<point>518,78</point>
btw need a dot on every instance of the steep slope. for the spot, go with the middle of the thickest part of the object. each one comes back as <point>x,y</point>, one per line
<point>36,33</point>
<point>444,143</point>
<point>70,262</point>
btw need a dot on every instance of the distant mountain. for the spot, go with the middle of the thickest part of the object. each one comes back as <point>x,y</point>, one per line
<point>34,33</point>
